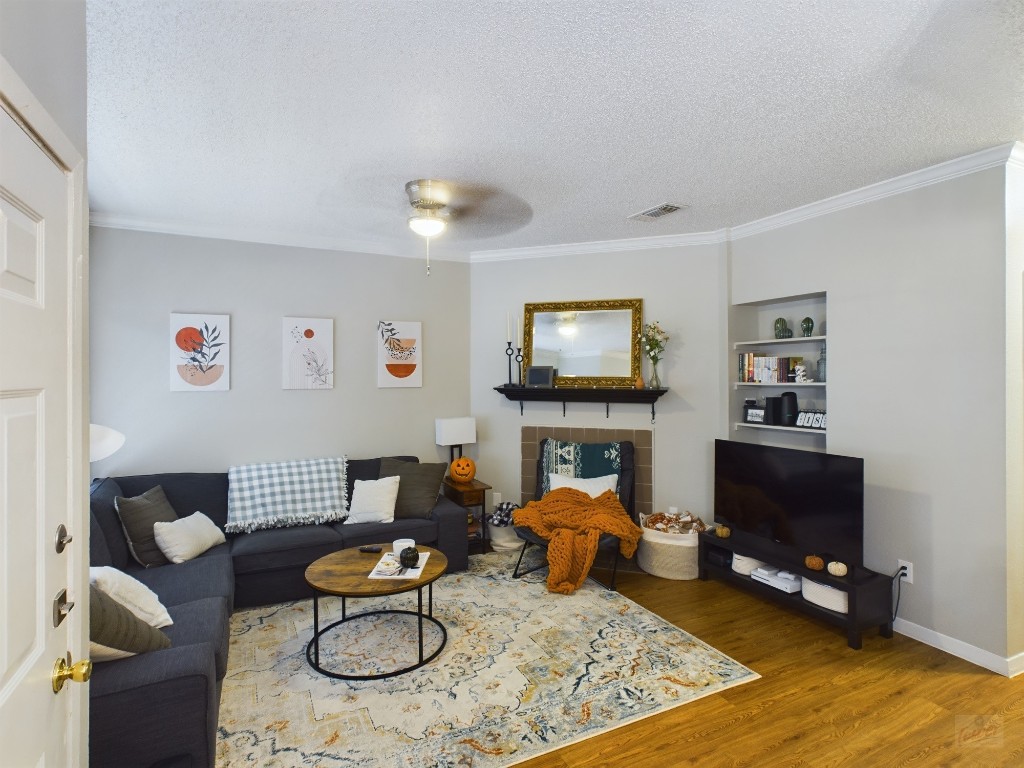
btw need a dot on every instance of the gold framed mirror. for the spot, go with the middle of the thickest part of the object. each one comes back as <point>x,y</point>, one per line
<point>590,343</point>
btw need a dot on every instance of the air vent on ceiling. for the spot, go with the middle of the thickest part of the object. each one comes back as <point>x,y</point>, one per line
<point>656,212</point>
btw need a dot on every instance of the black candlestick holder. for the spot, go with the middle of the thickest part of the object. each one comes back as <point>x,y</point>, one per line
<point>510,354</point>
<point>519,364</point>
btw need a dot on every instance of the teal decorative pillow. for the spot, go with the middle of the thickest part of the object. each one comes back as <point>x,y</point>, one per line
<point>138,515</point>
<point>115,632</point>
<point>583,460</point>
<point>419,486</point>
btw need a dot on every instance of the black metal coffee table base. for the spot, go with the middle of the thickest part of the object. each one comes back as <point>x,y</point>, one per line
<point>313,648</point>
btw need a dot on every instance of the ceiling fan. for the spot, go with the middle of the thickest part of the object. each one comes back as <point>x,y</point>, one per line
<point>429,199</point>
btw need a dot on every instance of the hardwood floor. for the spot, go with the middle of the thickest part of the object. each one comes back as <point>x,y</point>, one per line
<point>896,702</point>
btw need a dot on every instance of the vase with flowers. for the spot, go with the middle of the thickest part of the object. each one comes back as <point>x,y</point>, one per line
<point>652,343</point>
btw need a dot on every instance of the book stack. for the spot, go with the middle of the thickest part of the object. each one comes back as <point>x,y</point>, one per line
<point>759,368</point>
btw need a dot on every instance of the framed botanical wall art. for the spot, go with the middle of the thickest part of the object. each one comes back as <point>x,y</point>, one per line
<point>200,352</point>
<point>399,354</point>
<point>307,353</point>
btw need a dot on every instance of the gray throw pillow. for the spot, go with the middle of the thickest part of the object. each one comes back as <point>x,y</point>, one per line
<point>417,488</point>
<point>138,514</point>
<point>115,632</point>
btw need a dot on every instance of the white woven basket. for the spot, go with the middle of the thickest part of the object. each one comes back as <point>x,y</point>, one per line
<point>826,596</point>
<point>668,555</point>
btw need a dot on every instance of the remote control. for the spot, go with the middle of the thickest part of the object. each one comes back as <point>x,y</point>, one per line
<point>369,548</point>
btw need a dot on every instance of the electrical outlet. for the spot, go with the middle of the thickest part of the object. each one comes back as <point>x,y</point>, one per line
<point>908,576</point>
<point>495,498</point>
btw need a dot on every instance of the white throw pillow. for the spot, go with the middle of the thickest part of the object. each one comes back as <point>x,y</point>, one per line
<point>592,486</point>
<point>373,501</point>
<point>187,537</point>
<point>131,593</point>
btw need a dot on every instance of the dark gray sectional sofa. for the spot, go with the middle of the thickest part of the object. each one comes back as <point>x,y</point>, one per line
<point>159,709</point>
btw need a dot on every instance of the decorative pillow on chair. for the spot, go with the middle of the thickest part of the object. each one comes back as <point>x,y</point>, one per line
<point>578,460</point>
<point>421,483</point>
<point>592,486</point>
<point>115,632</point>
<point>187,537</point>
<point>138,515</point>
<point>131,593</point>
<point>373,501</point>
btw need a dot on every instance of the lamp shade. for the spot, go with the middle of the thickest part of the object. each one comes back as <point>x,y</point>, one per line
<point>457,431</point>
<point>103,442</point>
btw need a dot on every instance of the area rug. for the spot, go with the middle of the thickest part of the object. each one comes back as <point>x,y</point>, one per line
<point>524,672</point>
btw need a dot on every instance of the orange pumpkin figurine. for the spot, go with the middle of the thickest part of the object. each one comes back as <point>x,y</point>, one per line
<point>462,470</point>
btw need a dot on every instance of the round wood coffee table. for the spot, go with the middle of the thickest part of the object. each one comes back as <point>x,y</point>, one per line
<point>345,574</point>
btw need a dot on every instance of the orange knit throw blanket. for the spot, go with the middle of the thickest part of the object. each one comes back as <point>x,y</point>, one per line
<point>573,522</point>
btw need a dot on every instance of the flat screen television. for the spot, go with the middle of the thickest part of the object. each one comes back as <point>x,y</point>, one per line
<point>804,501</point>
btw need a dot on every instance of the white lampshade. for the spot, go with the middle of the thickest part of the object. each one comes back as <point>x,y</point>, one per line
<point>458,431</point>
<point>103,442</point>
<point>427,224</point>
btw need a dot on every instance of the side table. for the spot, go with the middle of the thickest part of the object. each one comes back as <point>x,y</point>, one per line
<point>468,495</point>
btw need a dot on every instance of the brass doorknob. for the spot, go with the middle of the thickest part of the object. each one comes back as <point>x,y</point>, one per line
<point>64,670</point>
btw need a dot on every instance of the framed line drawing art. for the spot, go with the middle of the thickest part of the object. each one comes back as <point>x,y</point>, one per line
<point>307,353</point>
<point>200,352</point>
<point>399,354</point>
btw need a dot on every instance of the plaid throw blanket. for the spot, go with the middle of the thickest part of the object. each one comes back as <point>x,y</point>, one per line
<point>286,493</point>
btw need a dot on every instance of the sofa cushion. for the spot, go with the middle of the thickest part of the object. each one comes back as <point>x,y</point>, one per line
<point>131,593</point>
<point>138,514</point>
<point>101,502</point>
<point>187,537</point>
<point>203,621</point>
<point>115,632</point>
<point>209,575</point>
<point>418,490</point>
<point>366,469</point>
<point>276,548</point>
<point>358,534</point>
<point>373,501</point>
<point>188,492</point>
<point>99,552</point>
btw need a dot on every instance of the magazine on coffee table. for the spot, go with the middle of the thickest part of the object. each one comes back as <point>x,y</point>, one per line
<point>389,568</point>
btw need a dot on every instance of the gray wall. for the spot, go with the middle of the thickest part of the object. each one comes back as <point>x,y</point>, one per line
<point>138,279</point>
<point>915,288</point>
<point>684,288</point>
<point>44,40</point>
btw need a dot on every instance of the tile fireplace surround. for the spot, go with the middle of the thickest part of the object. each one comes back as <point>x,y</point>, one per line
<point>642,439</point>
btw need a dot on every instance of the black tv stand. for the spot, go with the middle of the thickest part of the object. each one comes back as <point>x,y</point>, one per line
<point>870,593</point>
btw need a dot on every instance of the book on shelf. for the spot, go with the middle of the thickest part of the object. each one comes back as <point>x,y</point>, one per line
<point>759,368</point>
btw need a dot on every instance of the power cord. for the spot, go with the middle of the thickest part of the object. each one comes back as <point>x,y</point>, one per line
<point>899,589</point>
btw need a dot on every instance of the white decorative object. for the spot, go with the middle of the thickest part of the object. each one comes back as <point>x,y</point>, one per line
<point>131,593</point>
<point>307,353</point>
<point>373,501</point>
<point>801,375</point>
<point>592,486</point>
<point>399,544</point>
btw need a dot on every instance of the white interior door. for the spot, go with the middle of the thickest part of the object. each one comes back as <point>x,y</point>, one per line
<point>41,445</point>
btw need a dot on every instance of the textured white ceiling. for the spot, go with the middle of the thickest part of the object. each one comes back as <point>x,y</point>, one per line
<point>300,122</point>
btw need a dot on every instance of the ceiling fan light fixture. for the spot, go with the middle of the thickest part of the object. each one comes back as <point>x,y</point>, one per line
<point>427,224</point>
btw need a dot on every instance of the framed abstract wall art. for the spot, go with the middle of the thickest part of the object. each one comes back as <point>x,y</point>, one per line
<point>200,352</point>
<point>307,353</point>
<point>399,354</point>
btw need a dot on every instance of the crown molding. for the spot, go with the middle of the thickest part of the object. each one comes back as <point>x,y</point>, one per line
<point>600,246</point>
<point>951,169</point>
<point>317,242</point>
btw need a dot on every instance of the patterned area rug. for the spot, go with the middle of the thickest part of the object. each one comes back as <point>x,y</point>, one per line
<point>524,672</point>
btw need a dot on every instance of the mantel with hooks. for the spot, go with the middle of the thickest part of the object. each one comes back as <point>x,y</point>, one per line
<point>606,395</point>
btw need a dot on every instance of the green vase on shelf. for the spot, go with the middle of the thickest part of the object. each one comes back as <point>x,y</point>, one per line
<point>807,326</point>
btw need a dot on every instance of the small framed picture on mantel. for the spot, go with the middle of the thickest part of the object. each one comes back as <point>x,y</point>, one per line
<point>540,376</point>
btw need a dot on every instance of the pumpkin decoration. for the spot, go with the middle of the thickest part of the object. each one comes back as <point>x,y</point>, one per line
<point>836,568</point>
<point>409,557</point>
<point>462,470</point>
<point>814,562</point>
<point>723,531</point>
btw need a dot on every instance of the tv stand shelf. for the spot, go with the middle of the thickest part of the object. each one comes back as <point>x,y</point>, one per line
<point>870,593</point>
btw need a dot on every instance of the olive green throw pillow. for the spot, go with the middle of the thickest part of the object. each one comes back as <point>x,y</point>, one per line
<point>138,515</point>
<point>115,632</point>
<point>418,486</point>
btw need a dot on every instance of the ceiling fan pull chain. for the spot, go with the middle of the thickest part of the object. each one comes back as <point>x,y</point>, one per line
<point>428,255</point>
